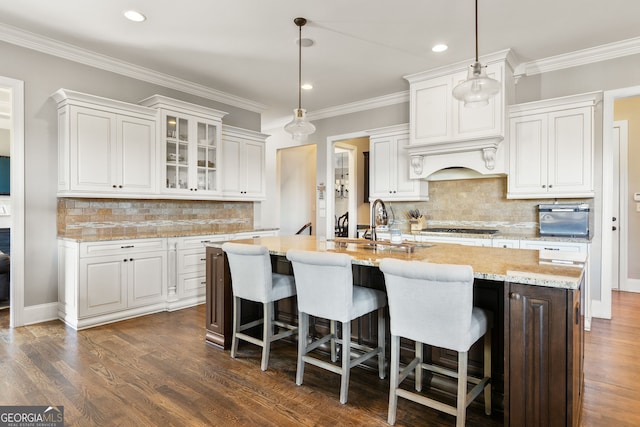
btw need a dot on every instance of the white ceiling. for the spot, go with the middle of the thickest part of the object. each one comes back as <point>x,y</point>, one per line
<point>362,47</point>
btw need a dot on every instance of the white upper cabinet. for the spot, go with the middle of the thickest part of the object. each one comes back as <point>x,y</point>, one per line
<point>445,133</point>
<point>105,147</point>
<point>389,166</point>
<point>552,146</point>
<point>243,157</point>
<point>437,117</point>
<point>189,148</point>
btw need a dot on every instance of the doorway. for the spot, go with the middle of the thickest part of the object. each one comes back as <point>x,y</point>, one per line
<point>296,173</point>
<point>12,120</point>
<point>356,205</point>
<point>601,304</point>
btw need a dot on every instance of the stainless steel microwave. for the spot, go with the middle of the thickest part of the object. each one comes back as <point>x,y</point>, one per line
<point>564,220</point>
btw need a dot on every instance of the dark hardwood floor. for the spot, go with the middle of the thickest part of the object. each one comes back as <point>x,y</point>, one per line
<point>157,370</point>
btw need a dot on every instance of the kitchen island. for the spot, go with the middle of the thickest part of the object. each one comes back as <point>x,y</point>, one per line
<point>535,298</point>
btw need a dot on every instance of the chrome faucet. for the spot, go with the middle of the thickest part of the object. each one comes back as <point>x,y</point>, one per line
<point>374,208</point>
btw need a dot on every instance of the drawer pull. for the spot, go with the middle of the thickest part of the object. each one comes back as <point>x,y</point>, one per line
<point>205,241</point>
<point>127,246</point>
<point>203,259</point>
<point>514,295</point>
<point>552,249</point>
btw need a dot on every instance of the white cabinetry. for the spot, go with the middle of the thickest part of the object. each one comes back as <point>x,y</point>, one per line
<point>105,147</point>
<point>445,133</point>
<point>244,164</point>
<point>100,282</point>
<point>436,116</point>
<point>190,137</point>
<point>187,274</point>
<point>389,166</point>
<point>552,146</point>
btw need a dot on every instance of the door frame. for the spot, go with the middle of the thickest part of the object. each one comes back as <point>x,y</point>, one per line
<point>620,268</point>
<point>602,307</point>
<point>16,295</point>
<point>330,181</point>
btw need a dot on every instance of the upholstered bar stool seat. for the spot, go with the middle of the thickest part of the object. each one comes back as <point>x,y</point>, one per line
<point>433,304</point>
<point>252,279</point>
<point>325,290</point>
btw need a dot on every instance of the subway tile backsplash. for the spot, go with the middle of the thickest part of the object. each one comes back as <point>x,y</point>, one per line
<point>103,219</point>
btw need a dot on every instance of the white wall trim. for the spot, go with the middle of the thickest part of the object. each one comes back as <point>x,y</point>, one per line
<point>365,104</point>
<point>330,184</point>
<point>632,285</point>
<point>74,53</point>
<point>40,313</point>
<point>17,200</point>
<point>602,308</point>
<point>590,55</point>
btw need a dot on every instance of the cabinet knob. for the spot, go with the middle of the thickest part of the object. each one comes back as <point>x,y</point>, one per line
<point>550,186</point>
<point>514,295</point>
<point>544,186</point>
<point>114,186</point>
<point>614,228</point>
<point>125,260</point>
<point>130,259</point>
<point>119,186</point>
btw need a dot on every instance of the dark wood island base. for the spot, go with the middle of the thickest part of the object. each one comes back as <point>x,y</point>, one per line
<point>538,333</point>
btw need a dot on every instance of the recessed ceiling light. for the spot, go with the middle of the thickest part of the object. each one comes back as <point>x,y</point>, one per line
<point>439,48</point>
<point>134,15</point>
<point>307,86</point>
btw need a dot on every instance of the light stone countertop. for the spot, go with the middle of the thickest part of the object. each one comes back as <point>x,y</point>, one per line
<point>523,266</point>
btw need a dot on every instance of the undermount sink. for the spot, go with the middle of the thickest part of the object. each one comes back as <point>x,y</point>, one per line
<point>381,245</point>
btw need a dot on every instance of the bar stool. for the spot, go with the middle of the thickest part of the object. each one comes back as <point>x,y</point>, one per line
<point>325,289</point>
<point>433,304</point>
<point>253,280</point>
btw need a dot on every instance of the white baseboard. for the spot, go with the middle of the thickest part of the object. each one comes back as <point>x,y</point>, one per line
<point>600,310</point>
<point>632,285</point>
<point>40,313</point>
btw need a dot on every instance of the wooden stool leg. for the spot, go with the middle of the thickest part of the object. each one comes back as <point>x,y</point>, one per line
<point>461,404</point>
<point>393,382</point>
<point>487,372</point>
<point>267,332</point>
<point>346,361</point>
<point>381,343</point>
<point>236,326</point>
<point>303,331</point>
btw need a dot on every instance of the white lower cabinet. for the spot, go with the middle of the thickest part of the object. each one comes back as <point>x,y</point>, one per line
<point>187,272</point>
<point>554,246</point>
<point>101,282</point>
<point>106,281</point>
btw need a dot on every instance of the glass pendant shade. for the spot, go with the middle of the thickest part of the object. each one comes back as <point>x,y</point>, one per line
<point>477,89</point>
<point>300,127</point>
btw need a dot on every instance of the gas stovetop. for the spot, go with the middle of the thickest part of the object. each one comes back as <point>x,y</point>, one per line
<point>460,230</point>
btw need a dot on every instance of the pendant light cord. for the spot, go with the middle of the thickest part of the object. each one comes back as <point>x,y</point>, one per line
<point>476,30</point>
<point>300,66</point>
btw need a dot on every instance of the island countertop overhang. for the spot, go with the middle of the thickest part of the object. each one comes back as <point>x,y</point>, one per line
<point>524,266</point>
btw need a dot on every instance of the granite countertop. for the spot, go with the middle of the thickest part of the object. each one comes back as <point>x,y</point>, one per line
<point>504,235</point>
<point>524,266</point>
<point>168,232</point>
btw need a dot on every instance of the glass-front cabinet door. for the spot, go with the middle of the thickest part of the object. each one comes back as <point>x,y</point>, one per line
<point>190,154</point>
<point>207,171</point>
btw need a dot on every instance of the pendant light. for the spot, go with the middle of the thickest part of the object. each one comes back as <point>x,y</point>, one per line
<point>300,127</point>
<point>478,88</point>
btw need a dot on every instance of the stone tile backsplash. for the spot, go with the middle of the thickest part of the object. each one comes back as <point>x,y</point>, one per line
<point>103,219</point>
<point>477,203</point>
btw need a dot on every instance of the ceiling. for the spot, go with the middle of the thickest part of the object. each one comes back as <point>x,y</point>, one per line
<point>362,48</point>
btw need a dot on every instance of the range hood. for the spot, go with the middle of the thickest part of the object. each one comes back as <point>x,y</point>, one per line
<point>485,157</point>
<point>444,134</point>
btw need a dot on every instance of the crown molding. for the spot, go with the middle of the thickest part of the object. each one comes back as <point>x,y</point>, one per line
<point>365,104</point>
<point>591,55</point>
<point>74,53</point>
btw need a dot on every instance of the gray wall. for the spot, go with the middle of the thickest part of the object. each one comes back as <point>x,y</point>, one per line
<point>42,75</point>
